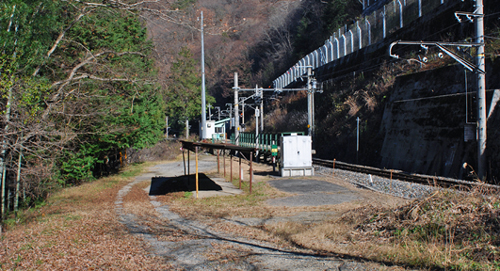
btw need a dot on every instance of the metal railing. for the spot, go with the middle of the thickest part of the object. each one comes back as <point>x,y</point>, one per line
<point>265,141</point>
<point>367,31</point>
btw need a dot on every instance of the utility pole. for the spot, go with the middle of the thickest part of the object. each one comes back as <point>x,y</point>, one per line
<point>230,111</point>
<point>166,127</point>
<point>257,113</point>
<point>314,86</point>
<point>261,110</point>
<point>357,140</point>
<point>236,111</point>
<point>203,107</point>
<point>209,112</point>
<point>258,97</point>
<point>481,92</point>
<point>243,112</point>
<point>309,102</point>
<point>218,112</point>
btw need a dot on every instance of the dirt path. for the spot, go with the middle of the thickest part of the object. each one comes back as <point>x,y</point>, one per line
<point>203,248</point>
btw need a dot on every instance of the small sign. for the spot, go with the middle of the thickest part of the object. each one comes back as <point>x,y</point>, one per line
<point>257,112</point>
<point>274,150</point>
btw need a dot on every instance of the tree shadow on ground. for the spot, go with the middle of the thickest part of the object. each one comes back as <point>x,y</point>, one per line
<point>268,173</point>
<point>164,185</point>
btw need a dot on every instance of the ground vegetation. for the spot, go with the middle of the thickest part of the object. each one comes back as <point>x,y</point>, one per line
<point>76,228</point>
<point>78,87</point>
<point>451,230</point>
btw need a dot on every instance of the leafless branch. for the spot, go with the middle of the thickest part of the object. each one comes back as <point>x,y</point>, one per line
<point>91,59</point>
<point>74,75</point>
<point>61,36</point>
<point>116,3</point>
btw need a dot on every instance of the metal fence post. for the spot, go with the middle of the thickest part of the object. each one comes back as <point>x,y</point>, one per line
<point>251,172</point>
<point>239,171</point>
<point>196,151</point>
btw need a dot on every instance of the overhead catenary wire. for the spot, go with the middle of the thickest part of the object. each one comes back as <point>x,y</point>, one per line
<point>356,68</point>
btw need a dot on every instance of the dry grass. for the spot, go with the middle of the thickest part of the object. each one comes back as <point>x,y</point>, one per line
<point>352,103</point>
<point>245,205</point>
<point>257,233</point>
<point>137,202</point>
<point>369,101</point>
<point>226,253</point>
<point>447,230</point>
<point>77,230</point>
<point>217,207</point>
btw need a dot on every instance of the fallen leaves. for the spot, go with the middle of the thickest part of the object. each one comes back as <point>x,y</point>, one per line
<point>79,235</point>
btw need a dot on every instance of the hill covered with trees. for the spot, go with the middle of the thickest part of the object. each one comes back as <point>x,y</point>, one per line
<point>78,87</point>
<point>83,81</point>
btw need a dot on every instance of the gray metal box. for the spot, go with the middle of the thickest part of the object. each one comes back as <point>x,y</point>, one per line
<point>296,156</point>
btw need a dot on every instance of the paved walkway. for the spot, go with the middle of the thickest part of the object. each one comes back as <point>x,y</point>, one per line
<point>310,192</point>
<point>194,252</point>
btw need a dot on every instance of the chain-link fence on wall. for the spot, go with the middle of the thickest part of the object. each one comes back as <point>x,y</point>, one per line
<point>367,31</point>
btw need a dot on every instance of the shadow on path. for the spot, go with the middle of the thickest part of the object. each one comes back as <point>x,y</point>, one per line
<point>163,185</point>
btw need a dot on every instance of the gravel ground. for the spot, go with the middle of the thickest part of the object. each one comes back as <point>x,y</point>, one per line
<point>383,185</point>
<point>310,193</point>
<point>195,254</point>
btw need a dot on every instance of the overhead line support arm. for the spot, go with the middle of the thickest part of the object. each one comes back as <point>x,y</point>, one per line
<point>441,45</point>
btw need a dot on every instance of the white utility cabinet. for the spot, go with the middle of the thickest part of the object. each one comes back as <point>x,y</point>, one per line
<point>210,129</point>
<point>296,156</point>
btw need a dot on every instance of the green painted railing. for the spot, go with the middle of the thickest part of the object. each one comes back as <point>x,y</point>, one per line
<point>265,140</point>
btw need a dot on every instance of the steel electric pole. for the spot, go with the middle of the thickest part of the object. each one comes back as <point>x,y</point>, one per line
<point>481,92</point>
<point>203,106</point>
<point>236,111</point>
<point>310,108</point>
<point>262,110</point>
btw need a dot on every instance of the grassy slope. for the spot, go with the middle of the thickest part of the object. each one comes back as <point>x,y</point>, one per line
<point>77,229</point>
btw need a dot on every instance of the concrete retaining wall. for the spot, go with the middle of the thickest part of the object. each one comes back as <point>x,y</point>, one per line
<point>424,123</point>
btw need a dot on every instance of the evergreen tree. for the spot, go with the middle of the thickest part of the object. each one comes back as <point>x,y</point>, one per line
<point>77,86</point>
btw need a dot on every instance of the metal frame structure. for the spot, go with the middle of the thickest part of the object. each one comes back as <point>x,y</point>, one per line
<point>195,147</point>
<point>476,17</point>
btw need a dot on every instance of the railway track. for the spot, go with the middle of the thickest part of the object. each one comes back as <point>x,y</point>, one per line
<point>403,176</point>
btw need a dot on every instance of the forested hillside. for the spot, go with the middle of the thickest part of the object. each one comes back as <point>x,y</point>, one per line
<point>78,87</point>
<point>257,39</point>
<point>83,81</point>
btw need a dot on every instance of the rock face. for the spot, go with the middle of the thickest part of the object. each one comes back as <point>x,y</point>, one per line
<point>429,123</point>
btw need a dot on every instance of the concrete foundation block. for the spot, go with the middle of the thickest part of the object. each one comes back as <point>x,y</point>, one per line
<point>297,172</point>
